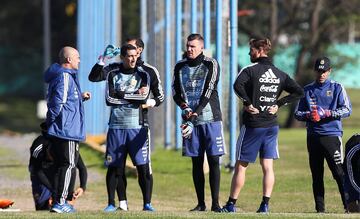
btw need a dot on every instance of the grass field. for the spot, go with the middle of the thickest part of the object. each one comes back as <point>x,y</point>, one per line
<point>174,194</point>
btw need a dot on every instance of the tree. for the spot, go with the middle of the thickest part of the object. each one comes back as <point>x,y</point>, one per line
<point>313,25</point>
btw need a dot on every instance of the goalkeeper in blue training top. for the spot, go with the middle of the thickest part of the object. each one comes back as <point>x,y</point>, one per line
<point>195,92</point>
<point>324,105</point>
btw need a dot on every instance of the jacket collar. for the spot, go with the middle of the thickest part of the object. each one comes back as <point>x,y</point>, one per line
<point>196,61</point>
<point>264,60</point>
<point>127,71</point>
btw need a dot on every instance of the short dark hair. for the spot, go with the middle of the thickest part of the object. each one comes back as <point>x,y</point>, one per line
<point>125,48</point>
<point>138,42</point>
<point>261,43</point>
<point>195,36</point>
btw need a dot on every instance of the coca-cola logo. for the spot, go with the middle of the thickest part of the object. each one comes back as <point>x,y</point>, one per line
<point>271,88</point>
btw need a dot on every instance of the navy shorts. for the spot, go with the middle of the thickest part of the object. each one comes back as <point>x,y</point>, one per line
<point>41,193</point>
<point>121,142</point>
<point>207,137</point>
<point>254,140</point>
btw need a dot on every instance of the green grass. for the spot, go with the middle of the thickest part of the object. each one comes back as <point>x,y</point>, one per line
<point>11,166</point>
<point>174,193</point>
<point>18,115</point>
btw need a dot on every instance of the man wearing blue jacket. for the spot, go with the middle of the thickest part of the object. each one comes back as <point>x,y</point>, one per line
<point>65,122</point>
<point>324,105</point>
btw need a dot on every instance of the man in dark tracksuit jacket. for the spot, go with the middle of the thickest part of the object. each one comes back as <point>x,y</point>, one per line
<point>259,86</point>
<point>324,105</point>
<point>41,170</point>
<point>42,173</point>
<point>195,92</point>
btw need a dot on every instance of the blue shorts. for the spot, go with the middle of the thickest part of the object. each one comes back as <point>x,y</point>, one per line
<point>121,142</point>
<point>207,137</point>
<point>254,140</point>
<point>41,193</point>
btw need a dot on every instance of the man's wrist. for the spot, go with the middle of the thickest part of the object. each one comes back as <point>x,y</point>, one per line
<point>101,60</point>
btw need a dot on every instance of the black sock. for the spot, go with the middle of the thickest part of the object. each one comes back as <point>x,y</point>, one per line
<point>199,178</point>
<point>145,182</point>
<point>231,201</point>
<point>111,184</point>
<point>214,176</point>
<point>265,200</point>
<point>121,183</point>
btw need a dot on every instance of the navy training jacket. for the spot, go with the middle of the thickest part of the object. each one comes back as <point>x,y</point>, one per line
<point>330,96</point>
<point>65,115</point>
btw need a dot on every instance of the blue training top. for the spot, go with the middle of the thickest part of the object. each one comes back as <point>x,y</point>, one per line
<point>329,95</point>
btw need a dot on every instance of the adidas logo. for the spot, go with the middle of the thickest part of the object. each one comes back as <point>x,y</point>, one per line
<point>337,157</point>
<point>269,77</point>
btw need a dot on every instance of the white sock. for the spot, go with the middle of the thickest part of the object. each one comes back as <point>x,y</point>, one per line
<point>123,205</point>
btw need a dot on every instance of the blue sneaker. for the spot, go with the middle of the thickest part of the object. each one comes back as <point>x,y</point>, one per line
<point>229,207</point>
<point>264,208</point>
<point>64,208</point>
<point>148,207</point>
<point>110,208</point>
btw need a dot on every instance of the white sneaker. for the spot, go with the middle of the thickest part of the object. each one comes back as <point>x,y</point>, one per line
<point>123,205</point>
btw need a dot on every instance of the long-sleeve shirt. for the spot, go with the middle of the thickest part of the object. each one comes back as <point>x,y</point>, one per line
<point>329,95</point>
<point>155,82</point>
<point>122,94</point>
<point>195,84</point>
<point>261,85</point>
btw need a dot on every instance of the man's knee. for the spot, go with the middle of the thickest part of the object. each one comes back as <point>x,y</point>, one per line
<point>338,172</point>
<point>267,166</point>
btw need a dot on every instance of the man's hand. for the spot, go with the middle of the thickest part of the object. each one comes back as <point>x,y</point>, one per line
<point>86,96</point>
<point>251,109</point>
<point>143,90</point>
<point>317,113</point>
<point>314,115</point>
<point>273,109</point>
<point>186,112</point>
<point>149,103</point>
<point>78,192</point>
<point>110,52</point>
<point>187,129</point>
<point>323,113</point>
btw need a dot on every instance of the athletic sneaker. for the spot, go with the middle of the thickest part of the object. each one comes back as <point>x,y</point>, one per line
<point>229,207</point>
<point>199,208</point>
<point>64,208</point>
<point>123,205</point>
<point>264,208</point>
<point>148,207</point>
<point>110,208</point>
<point>216,208</point>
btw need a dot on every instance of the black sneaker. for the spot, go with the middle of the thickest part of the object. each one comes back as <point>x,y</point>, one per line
<point>264,208</point>
<point>199,208</point>
<point>216,208</point>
